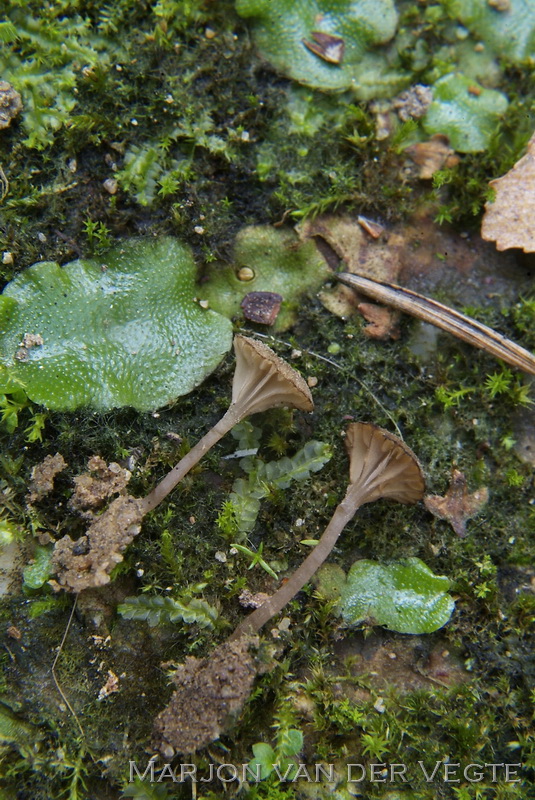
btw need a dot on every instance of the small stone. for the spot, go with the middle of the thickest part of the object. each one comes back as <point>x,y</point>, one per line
<point>110,185</point>
<point>10,104</point>
<point>373,228</point>
<point>32,340</point>
<point>262,307</point>
<point>249,600</point>
<point>379,705</point>
<point>312,381</point>
<point>7,257</point>
<point>245,274</point>
<point>328,47</point>
<point>199,229</point>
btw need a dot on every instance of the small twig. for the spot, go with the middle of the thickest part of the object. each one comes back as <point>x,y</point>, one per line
<point>4,184</point>
<point>60,648</point>
<point>339,367</point>
<point>461,326</point>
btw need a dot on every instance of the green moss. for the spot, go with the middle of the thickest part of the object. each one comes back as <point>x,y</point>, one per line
<point>205,136</point>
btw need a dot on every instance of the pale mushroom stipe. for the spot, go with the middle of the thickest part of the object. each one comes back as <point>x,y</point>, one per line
<point>262,380</point>
<point>380,466</point>
<point>208,698</point>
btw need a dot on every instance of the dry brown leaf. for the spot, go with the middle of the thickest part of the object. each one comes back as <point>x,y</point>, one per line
<point>363,254</point>
<point>432,155</point>
<point>458,505</point>
<point>384,323</point>
<point>510,219</point>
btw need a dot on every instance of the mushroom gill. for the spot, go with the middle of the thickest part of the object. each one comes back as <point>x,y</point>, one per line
<point>381,466</point>
<point>262,380</point>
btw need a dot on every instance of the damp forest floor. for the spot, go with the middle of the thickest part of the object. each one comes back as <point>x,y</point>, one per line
<point>194,127</point>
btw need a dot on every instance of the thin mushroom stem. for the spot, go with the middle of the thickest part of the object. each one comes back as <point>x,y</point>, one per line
<point>262,380</point>
<point>168,483</point>
<point>355,497</point>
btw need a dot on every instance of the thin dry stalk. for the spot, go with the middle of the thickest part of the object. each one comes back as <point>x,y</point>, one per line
<point>461,326</point>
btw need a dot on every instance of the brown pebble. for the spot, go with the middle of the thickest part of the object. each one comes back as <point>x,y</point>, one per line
<point>262,307</point>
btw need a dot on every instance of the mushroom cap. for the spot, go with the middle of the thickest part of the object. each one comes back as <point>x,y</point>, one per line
<point>262,380</point>
<point>382,465</point>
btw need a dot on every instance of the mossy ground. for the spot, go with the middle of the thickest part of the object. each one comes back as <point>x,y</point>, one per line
<point>197,169</point>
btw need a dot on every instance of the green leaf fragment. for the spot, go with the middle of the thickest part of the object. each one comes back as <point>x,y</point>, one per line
<point>405,596</point>
<point>43,60</point>
<point>265,758</point>
<point>36,575</point>
<point>509,32</point>
<point>264,478</point>
<point>121,330</point>
<point>157,610</point>
<point>278,262</point>
<point>311,458</point>
<point>283,27</point>
<point>290,742</point>
<point>465,112</point>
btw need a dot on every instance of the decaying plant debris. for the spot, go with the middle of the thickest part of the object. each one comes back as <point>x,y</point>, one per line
<point>448,319</point>
<point>173,126</point>
<point>458,504</point>
<point>508,219</point>
<point>43,474</point>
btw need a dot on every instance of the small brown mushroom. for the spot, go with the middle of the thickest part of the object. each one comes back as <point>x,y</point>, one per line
<point>208,697</point>
<point>262,380</point>
<point>381,466</point>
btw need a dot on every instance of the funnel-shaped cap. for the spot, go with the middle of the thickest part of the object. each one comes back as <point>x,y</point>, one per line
<point>262,380</point>
<point>382,465</point>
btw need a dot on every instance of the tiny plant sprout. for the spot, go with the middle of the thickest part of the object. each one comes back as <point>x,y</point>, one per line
<point>380,466</point>
<point>262,380</point>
